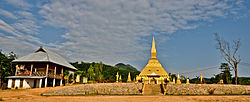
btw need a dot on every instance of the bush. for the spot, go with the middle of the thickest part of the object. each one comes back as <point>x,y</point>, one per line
<point>211,91</point>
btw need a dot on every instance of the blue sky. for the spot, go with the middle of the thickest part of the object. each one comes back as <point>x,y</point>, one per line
<point>116,31</point>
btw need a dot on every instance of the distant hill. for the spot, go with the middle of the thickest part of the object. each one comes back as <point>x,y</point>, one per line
<point>109,72</point>
<point>127,67</point>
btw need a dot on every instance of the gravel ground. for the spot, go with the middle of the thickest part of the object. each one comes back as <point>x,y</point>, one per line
<point>33,95</point>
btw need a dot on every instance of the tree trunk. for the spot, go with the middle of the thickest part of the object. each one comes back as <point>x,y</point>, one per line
<point>236,75</point>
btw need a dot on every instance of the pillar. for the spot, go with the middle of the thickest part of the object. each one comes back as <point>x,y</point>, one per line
<point>16,69</point>
<point>40,83</point>
<point>55,71</point>
<point>73,77</point>
<point>31,69</point>
<point>61,82</point>
<point>47,69</point>
<point>62,73</point>
<point>54,82</point>
<point>46,79</point>
<point>149,80</point>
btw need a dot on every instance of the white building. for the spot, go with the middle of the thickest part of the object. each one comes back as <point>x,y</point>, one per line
<point>39,69</point>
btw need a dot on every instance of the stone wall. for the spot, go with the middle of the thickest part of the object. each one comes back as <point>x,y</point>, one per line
<point>206,89</point>
<point>136,89</point>
<point>98,89</point>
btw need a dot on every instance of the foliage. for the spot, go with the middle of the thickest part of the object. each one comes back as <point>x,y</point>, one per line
<point>91,73</point>
<point>128,67</point>
<point>6,68</point>
<point>225,75</point>
<point>211,91</point>
<point>183,79</point>
<point>243,80</point>
<point>103,71</point>
<point>66,75</point>
<point>98,71</point>
<point>172,76</point>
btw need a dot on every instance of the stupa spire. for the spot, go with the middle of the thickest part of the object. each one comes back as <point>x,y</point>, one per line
<point>129,78</point>
<point>152,69</point>
<point>153,49</point>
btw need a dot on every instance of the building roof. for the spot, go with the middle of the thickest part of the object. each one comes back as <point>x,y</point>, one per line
<point>45,55</point>
<point>153,66</point>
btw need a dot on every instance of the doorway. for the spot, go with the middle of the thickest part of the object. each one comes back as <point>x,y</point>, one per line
<point>13,83</point>
<point>21,83</point>
<point>35,82</point>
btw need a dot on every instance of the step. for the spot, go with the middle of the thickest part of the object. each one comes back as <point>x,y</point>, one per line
<point>152,89</point>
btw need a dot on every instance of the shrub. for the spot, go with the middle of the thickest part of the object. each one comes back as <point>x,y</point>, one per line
<point>211,91</point>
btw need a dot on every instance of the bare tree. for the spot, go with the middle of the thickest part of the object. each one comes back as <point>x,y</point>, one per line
<point>229,53</point>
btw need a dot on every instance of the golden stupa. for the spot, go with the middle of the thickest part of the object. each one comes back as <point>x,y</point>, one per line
<point>178,81</point>
<point>129,77</point>
<point>153,73</point>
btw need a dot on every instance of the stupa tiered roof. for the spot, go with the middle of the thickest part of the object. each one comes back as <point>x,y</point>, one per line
<point>153,67</point>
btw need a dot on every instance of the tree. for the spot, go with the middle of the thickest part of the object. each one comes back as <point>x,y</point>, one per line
<point>6,68</point>
<point>66,76</point>
<point>98,70</point>
<point>12,56</point>
<point>183,79</point>
<point>172,76</point>
<point>101,68</point>
<point>229,53</point>
<point>91,74</point>
<point>226,74</point>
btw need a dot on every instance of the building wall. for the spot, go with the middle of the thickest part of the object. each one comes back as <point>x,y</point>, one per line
<point>9,83</point>
<point>17,83</point>
<point>37,83</point>
<point>28,83</point>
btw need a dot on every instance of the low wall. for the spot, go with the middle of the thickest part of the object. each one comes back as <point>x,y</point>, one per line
<point>136,88</point>
<point>97,89</point>
<point>206,89</point>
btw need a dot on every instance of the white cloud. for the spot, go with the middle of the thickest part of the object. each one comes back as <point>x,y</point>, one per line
<point>108,30</point>
<point>7,14</point>
<point>19,3</point>
<point>24,25</point>
<point>111,30</point>
<point>21,37</point>
<point>27,26</point>
<point>10,43</point>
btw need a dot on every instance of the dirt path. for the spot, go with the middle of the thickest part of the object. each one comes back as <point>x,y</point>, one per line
<point>33,95</point>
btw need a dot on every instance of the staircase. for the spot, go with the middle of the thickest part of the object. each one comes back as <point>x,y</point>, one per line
<point>152,89</point>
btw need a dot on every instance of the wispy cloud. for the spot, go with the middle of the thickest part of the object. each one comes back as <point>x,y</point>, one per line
<point>19,3</point>
<point>18,35</point>
<point>108,30</point>
<point>7,14</point>
<point>111,30</point>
